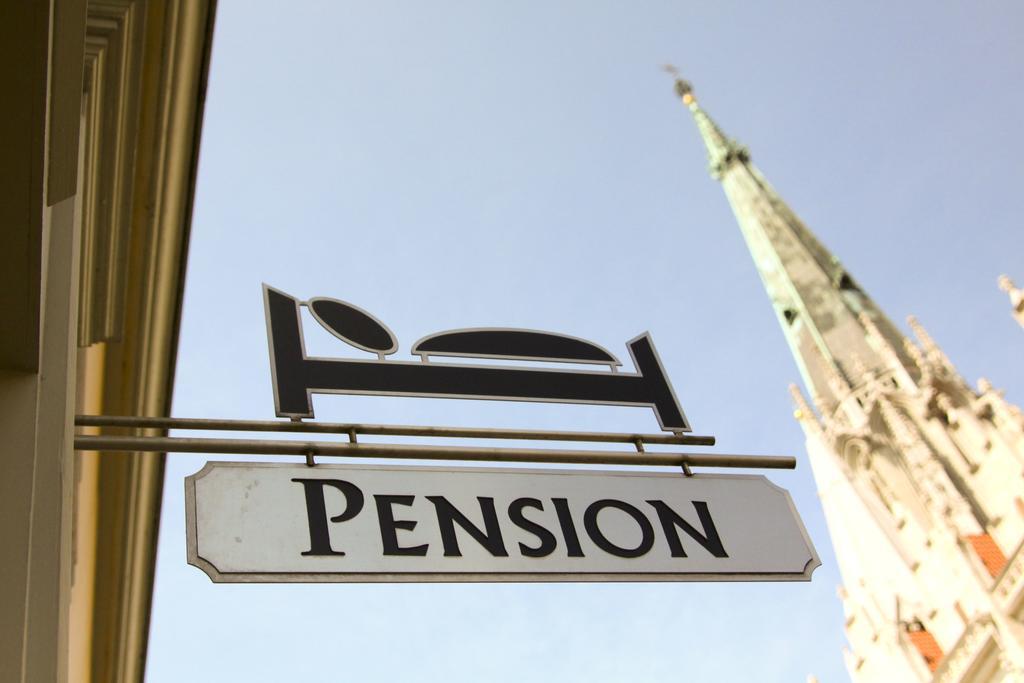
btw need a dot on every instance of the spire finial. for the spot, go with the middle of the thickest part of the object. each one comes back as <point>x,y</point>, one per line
<point>722,151</point>
<point>683,87</point>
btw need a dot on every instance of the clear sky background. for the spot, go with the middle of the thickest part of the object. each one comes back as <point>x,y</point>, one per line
<point>465,164</point>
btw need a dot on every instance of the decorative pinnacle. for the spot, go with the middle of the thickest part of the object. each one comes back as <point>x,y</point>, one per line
<point>922,334</point>
<point>803,413</point>
<point>1016,297</point>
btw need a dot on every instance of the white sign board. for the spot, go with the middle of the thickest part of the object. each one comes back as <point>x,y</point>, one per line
<point>251,522</point>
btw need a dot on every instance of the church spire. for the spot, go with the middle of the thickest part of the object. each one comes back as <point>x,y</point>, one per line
<point>833,328</point>
<point>915,472</point>
<point>918,476</point>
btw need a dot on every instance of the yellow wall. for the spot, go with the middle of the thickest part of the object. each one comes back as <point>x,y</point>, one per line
<point>100,127</point>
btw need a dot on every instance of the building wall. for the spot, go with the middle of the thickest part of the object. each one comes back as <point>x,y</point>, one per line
<point>921,487</point>
<point>103,104</point>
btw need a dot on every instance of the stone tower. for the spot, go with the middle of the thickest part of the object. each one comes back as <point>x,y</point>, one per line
<point>920,476</point>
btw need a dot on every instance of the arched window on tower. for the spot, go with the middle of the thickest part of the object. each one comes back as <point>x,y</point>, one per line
<point>849,290</point>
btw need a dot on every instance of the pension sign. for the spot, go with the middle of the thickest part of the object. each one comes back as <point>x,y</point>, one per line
<point>249,522</point>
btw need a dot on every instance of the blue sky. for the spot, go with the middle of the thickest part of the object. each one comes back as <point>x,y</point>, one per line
<point>526,165</point>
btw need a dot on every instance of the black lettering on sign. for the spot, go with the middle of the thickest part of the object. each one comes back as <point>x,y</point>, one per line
<point>389,526</point>
<point>572,541</point>
<point>448,515</point>
<point>602,542</point>
<point>546,538</point>
<point>709,540</point>
<point>316,511</point>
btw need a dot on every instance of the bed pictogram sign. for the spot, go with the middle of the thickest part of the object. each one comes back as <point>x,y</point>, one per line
<point>297,376</point>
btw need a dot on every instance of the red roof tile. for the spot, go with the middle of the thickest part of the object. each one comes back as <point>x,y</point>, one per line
<point>927,646</point>
<point>989,553</point>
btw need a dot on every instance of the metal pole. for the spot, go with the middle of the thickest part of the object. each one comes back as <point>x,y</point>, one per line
<point>386,430</point>
<point>166,444</point>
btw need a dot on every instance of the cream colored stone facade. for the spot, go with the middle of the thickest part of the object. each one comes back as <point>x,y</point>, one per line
<point>921,476</point>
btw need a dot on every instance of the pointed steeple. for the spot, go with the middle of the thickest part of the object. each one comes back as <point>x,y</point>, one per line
<point>915,471</point>
<point>912,467</point>
<point>834,329</point>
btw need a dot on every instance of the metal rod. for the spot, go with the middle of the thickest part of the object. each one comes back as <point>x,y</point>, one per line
<point>169,444</point>
<point>387,430</point>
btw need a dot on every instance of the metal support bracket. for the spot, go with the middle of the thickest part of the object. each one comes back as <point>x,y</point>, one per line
<point>353,448</point>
